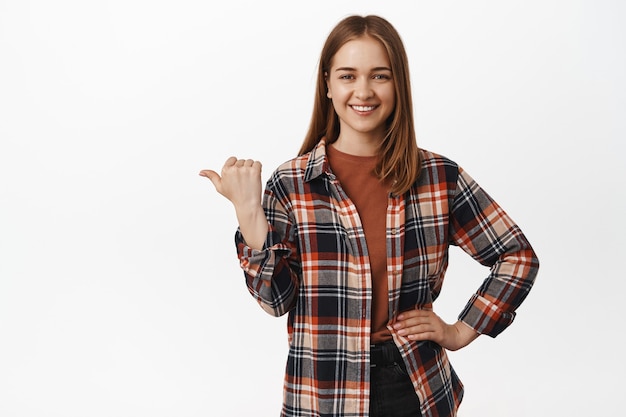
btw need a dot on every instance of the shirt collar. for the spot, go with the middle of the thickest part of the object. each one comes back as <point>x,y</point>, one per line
<point>317,162</point>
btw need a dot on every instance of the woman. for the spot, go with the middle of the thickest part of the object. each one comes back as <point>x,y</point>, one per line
<point>350,239</point>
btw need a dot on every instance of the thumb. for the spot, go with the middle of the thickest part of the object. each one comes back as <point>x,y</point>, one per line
<point>213,176</point>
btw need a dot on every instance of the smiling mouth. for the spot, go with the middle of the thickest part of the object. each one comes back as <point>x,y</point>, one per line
<point>363,108</point>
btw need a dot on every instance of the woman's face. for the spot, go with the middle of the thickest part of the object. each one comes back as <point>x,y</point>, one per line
<point>361,86</point>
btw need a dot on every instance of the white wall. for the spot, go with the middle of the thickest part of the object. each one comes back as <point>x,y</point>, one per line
<point>120,293</point>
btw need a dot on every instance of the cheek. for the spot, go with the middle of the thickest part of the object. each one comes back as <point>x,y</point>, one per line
<point>385,91</point>
<point>389,95</point>
<point>338,92</point>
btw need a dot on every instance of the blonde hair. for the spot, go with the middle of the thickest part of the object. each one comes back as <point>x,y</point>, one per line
<point>399,155</point>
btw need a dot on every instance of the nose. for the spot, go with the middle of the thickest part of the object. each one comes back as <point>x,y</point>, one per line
<point>363,90</point>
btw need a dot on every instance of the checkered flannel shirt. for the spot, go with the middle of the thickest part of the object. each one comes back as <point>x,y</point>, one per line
<point>314,267</point>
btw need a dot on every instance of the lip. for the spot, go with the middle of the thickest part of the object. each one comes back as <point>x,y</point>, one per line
<point>363,109</point>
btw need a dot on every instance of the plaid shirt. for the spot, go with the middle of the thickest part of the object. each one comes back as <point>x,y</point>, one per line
<point>314,267</point>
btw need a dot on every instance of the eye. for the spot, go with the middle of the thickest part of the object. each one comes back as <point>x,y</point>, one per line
<point>346,77</point>
<point>381,77</point>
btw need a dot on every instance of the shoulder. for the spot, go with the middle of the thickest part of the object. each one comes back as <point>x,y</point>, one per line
<point>432,159</point>
<point>297,163</point>
<point>289,177</point>
<point>305,167</point>
<point>437,169</point>
<point>295,167</point>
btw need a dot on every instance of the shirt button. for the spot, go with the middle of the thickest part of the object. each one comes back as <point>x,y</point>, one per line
<point>418,386</point>
<point>394,231</point>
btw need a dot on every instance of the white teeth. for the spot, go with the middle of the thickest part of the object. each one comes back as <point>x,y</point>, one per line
<point>363,108</point>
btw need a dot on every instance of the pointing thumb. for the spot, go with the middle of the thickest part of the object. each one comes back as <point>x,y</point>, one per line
<point>212,175</point>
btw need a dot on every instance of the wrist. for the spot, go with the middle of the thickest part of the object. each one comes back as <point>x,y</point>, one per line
<point>253,225</point>
<point>465,334</point>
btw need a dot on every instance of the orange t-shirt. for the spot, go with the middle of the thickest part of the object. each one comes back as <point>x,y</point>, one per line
<point>370,196</point>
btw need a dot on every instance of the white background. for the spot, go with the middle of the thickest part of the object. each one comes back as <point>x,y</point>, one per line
<point>120,292</point>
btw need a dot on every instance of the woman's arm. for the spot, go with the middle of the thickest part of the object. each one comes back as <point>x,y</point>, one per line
<point>266,249</point>
<point>485,231</point>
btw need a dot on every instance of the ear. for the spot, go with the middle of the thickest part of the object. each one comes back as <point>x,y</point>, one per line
<point>327,86</point>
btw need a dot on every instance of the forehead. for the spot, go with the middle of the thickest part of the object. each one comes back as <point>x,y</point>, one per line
<point>360,53</point>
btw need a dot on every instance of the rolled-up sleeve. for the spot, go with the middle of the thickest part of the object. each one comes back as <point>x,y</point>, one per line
<point>272,273</point>
<point>483,229</point>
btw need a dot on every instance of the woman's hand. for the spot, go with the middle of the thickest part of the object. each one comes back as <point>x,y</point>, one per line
<point>426,325</point>
<point>240,182</point>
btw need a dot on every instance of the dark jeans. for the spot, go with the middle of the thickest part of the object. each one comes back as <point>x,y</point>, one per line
<point>391,391</point>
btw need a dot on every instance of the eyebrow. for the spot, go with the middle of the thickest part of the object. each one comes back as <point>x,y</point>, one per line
<point>354,69</point>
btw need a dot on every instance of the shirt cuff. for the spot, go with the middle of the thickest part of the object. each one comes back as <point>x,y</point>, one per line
<point>486,317</point>
<point>259,263</point>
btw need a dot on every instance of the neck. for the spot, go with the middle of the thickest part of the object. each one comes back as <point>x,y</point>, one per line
<point>357,146</point>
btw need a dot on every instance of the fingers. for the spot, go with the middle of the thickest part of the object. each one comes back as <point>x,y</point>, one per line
<point>230,162</point>
<point>419,325</point>
<point>239,181</point>
<point>240,163</point>
<point>411,314</point>
<point>246,163</point>
<point>243,162</point>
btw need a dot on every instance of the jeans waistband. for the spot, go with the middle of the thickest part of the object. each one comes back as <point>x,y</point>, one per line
<point>386,353</point>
